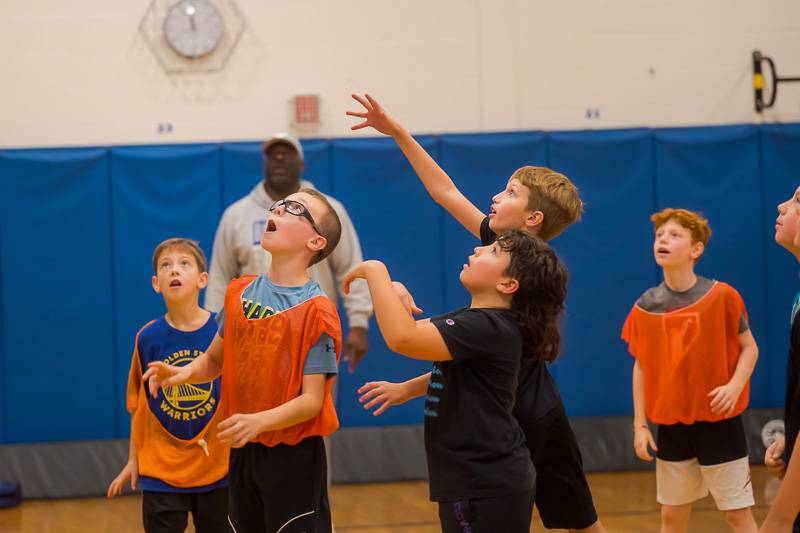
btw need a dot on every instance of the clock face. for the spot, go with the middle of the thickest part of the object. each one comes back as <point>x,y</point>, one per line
<point>193,28</point>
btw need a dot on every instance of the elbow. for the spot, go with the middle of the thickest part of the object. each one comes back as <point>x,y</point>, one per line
<point>313,406</point>
<point>443,194</point>
<point>749,350</point>
<point>392,342</point>
<point>399,343</point>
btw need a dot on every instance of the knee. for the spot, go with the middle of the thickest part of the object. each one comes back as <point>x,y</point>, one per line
<point>738,517</point>
<point>672,515</point>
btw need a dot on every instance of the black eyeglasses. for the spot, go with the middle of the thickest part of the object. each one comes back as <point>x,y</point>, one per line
<point>297,209</point>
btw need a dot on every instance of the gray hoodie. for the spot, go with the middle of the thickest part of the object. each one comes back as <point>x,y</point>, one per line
<point>237,251</point>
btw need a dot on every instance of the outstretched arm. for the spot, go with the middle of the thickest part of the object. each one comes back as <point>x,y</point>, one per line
<point>438,184</point>
<point>203,369</point>
<point>388,394</point>
<point>418,340</point>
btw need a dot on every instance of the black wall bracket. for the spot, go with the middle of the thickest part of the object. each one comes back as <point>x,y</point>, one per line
<point>758,81</point>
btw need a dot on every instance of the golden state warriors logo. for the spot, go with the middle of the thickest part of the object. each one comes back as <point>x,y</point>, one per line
<point>187,401</point>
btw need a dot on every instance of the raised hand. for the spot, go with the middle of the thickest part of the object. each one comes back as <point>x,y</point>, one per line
<point>384,393</point>
<point>160,375</point>
<point>358,271</point>
<point>374,116</point>
<point>406,298</point>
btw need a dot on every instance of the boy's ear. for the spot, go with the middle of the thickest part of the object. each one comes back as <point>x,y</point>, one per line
<point>697,250</point>
<point>154,281</point>
<point>202,281</point>
<point>508,286</point>
<point>317,243</point>
<point>534,219</point>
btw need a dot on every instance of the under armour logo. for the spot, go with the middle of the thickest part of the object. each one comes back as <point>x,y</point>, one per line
<point>450,322</point>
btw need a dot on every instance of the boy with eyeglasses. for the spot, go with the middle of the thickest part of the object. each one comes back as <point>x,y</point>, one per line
<point>277,349</point>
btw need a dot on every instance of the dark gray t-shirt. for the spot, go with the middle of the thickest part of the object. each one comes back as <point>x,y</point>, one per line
<point>662,299</point>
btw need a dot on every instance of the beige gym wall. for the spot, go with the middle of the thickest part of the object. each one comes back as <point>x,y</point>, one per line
<point>78,72</point>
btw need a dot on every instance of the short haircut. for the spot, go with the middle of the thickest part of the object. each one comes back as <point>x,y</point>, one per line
<point>554,195</point>
<point>330,226</point>
<point>694,222</point>
<point>185,245</point>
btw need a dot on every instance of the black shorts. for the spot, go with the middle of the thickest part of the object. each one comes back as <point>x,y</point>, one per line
<point>563,497</point>
<point>712,443</point>
<point>167,512</point>
<point>509,514</point>
<point>279,488</point>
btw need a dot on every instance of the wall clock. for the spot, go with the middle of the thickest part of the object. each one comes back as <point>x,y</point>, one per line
<point>192,35</point>
<point>193,28</point>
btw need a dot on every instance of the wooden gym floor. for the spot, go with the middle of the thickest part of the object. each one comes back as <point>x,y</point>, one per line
<point>625,500</point>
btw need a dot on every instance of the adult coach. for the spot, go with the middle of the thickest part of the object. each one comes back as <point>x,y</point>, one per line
<point>237,248</point>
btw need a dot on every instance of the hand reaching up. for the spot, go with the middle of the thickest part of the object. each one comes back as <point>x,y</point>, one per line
<point>406,298</point>
<point>374,116</point>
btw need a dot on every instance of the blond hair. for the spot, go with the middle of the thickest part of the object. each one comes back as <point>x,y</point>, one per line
<point>186,245</point>
<point>694,222</point>
<point>330,226</point>
<point>554,195</point>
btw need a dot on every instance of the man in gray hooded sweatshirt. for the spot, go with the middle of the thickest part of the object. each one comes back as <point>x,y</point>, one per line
<point>237,249</point>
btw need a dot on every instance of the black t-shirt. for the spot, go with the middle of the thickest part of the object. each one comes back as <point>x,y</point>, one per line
<point>475,446</point>
<point>537,393</point>
<point>792,410</point>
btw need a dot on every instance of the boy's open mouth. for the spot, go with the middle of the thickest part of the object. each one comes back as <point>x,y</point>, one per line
<point>175,283</point>
<point>271,225</point>
<point>662,250</point>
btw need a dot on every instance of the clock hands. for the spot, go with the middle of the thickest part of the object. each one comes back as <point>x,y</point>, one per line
<point>191,11</point>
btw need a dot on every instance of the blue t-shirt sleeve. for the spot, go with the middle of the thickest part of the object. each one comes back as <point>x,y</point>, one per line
<point>321,357</point>
<point>221,323</point>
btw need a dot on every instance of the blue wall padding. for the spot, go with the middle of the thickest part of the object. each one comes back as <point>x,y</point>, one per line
<point>58,322</point>
<point>716,171</point>
<point>78,227</point>
<point>400,225</point>
<point>317,164</point>
<point>157,192</point>
<point>242,168</point>
<point>609,259</point>
<point>780,172</point>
